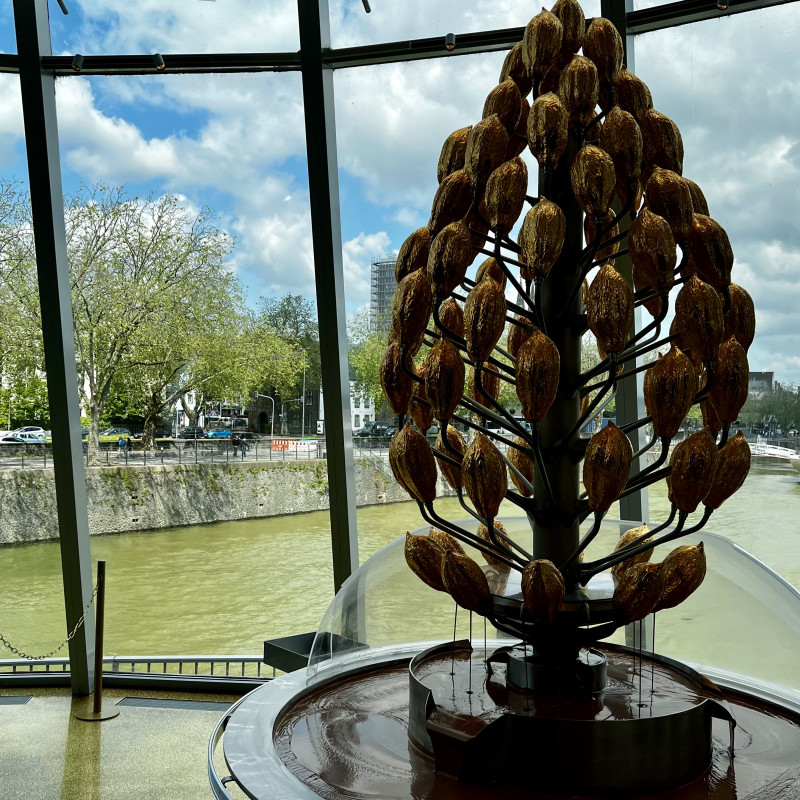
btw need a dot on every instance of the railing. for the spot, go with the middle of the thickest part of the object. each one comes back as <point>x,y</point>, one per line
<point>201,666</point>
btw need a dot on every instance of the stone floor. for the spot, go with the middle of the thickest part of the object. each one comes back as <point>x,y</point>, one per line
<point>156,748</point>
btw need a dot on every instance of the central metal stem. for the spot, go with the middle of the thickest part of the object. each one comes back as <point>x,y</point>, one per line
<point>556,535</point>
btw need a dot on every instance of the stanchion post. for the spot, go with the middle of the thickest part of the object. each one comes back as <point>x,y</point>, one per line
<point>97,714</point>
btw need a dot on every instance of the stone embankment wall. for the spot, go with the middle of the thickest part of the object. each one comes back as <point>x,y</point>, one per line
<point>144,498</point>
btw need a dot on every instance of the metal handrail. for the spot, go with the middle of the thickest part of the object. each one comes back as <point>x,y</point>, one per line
<point>116,664</point>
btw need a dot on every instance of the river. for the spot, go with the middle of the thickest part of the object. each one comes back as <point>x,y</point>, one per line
<point>224,588</point>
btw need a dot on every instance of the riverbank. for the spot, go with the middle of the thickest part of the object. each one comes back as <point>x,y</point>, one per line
<point>127,498</point>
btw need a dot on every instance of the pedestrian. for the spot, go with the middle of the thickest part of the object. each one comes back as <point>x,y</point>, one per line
<point>129,444</point>
<point>235,443</point>
<point>244,448</point>
<point>121,445</point>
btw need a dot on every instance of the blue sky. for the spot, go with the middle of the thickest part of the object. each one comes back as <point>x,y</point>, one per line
<point>235,142</point>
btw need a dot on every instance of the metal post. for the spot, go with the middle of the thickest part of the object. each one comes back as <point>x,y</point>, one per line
<point>323,186</point>
<point>44,170</point>
<point>630,393</point>
<point>97,714</point>
<point>303,400</point>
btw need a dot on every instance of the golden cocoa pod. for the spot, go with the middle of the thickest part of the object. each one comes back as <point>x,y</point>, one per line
<point>622,140</point>
<point>465,582</point>
<point>395,381</point>
<point>444,379</point>
<point>542,590</point>
<point>504,100</point>
<point>698,317</point>
<point>684,569</point>
<point>538,364</point>
<point>421,413</point>
<point>662,142</point>
<point>670,386</point>
<point>395,464</point>
<point>486,149</point>
<point>652,250</point>
<point>740,321</point>
<point>578,89</point>
<point>452,473</point>
<point>450,255</point>
<point>603,45</point>
<point>445,541</point>
<point>638,591</point>
<point>548,129</point>
<point>693,462</point>
<point>514,68</point>
<point>490,381</point>
<point>485,476</point>
<point>541,43</point>
<point>632,94</point>
<point>424,556</point>
<point>668,195</point>
<point>492,270</point>
<point>593,180</point>
<point>394,335</point>
<point>574,24</point>
<point>606,466</point>
<point>453,151</point>
<point>732,469</point>
<point>416,464</point>
<point>541,238</point>
<point>451,202</point>
<point>624,540</point>
<point>729,386</point>
<point>519,141</point>
<point>452,317</point>
<point>484,319</point>
<point>413,303</point>
<point>710,252</point>
<point>609,309</point>
<point>523,464</point>
<point>518,334</point>
<point>483,533</point>
<point>505,194</point>
<point>605,255</point>
<point>413,253</point>
<point>699,202</point>
<point>711,419</point>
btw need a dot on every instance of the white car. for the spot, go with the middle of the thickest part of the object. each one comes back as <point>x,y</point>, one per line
<point>22,438</point>
<point>35,430</point>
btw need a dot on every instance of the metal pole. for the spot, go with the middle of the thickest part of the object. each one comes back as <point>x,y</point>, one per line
<point>44,170</point>
<point>303,400</point>
<point>97,714</point>
<point>323,186</point>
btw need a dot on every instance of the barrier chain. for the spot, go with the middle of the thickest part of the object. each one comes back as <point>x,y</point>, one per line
<point>71,635</point>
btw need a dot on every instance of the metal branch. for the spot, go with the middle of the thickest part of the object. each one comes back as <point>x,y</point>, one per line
<point>496,533</point>
<point>537,300</point>
<point>537,453</point>
<point>585,542</point>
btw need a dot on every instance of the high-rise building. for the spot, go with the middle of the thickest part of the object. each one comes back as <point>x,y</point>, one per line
<point>382,286</point>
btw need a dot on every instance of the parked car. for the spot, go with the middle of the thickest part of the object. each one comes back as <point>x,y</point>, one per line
<point>36,430</point>
<point>158,433</point>
<point>115,432</point>
<point>390,431</point>
<point>249,435</point>
<point>219,433</point>
<point>374,429</point>
<point>192,433</point>
<point>22,438</point>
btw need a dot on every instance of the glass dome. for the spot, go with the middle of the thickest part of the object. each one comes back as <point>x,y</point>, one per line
<point>744,621</point>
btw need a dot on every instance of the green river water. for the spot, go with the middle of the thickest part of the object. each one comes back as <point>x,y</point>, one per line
<point>224,588</point>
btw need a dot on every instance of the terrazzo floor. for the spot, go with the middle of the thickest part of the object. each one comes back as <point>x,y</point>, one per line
<point>151,750</point>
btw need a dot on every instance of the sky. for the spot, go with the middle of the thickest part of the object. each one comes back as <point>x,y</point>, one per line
<point>236,142</point>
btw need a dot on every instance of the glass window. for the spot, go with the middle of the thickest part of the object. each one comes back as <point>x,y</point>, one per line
<point>356,420</point>
<point>356,402</point>
<point>235,26</point>
<point>366,419</point>
<point>739,127</point>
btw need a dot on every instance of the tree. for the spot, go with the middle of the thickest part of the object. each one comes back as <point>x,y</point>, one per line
<point>134,263</point>
<point>365,352</point>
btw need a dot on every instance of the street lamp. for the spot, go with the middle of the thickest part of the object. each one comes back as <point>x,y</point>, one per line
<point>256,395</point>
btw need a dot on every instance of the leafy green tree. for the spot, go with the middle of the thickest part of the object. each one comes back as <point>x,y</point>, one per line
<point>133,262</point>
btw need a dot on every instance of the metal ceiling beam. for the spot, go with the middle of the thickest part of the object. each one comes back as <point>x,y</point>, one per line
<point>670,15</point>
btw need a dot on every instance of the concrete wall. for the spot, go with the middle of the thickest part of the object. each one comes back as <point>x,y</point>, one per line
<point>143,498</point>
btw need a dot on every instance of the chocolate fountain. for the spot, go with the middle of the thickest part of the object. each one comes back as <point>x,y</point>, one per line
<point>545,708</point>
